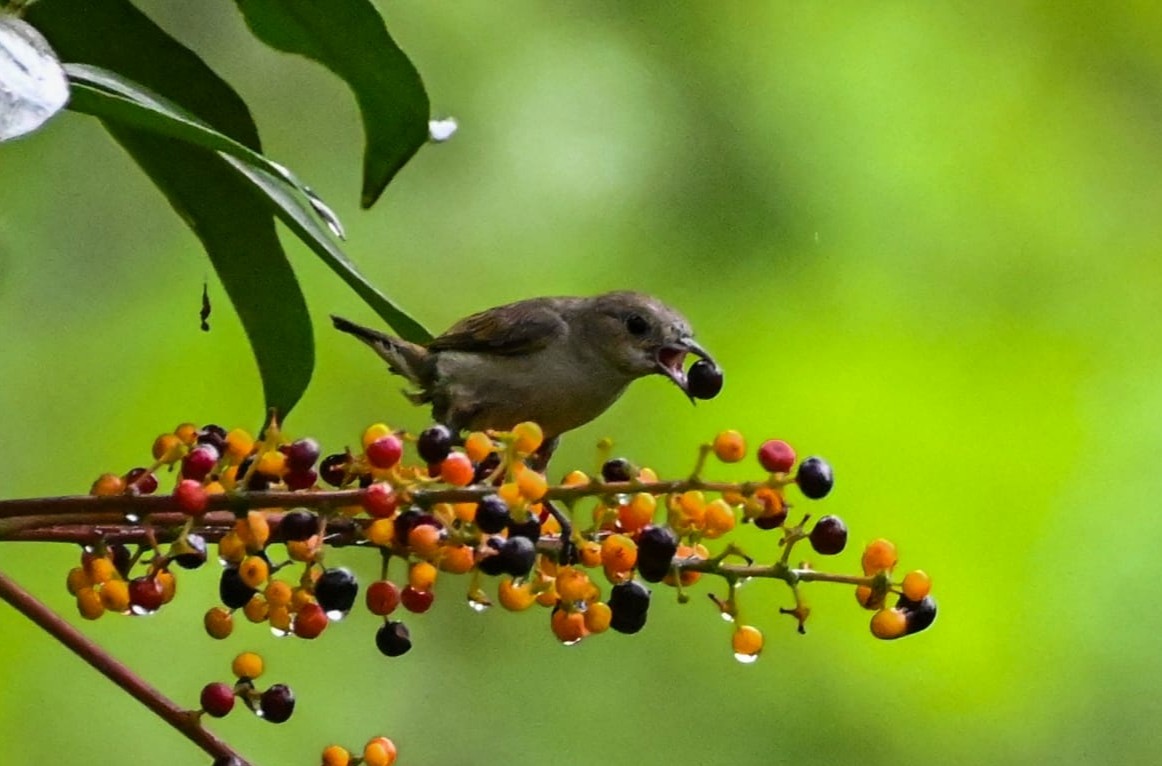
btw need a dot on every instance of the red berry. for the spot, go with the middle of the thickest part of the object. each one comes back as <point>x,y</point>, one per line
<point>310,622</point>
<point>191,496</point>
<point>776,456</point>
<point>140,481</point>
<point>198,463</point>
<point>417,601</point>
<point>145,595</point>
<point>380,500</point>
<point>385,451</point>
<point>217,699</point>
<point>301,478</point>
<point>382,597</point>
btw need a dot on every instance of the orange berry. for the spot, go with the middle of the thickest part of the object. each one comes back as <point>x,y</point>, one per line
<point>685,551</point>
<point>457,559</point>
<point>256,609</point>
<point>478,446</point>
<point>527,437</point>
<point>187,432</point>
<point>304,550</point>
<point>102,570</point>
<point>167,448</point>
<point>888,624</point>
<point>572,584</point>
<point>729,446</point>
<point>381,532</point>
<point>300,597</point>
<point>422,575</point>
<point>575,479</point>
<point>239,443</point>
<point>509,492</point>
<point>747,642</point>
<point>424,540</point>
<point>380,751</point>
<point>334,755</point>
<point>568,627</point>
<point>917,585</point>
<point>719,519</point>
<point>374,433</point>
<point>279,618</point>
<point>532,485</point>
<point>597,617</point>
<point>253,571</point>
<point>90,604</point>
<point>247,665</point>
<point>77,580</point>
<point>231,548</point>
<point>277,593</point>
<point>638,512</point>
<point>513,597</point>
<point>229,477</point>
<point>548,596</point>
<point>457,470</point>
<point>465,512</point>
<point>647,475</point>
<point>115,596</point>
<point>168,583</point>
<point>108,484</point>
<point>257,530</point>
<point>878,556</point>
<point>590,553</point>
<point>618,553</point>
<point>869,598</point>
<point>219,623</point>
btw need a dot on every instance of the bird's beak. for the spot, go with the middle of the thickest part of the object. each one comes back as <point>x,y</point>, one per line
<point>671,360</point>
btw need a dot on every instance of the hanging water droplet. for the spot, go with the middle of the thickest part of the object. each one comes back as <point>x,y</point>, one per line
<point>728,616</point>
<point>132,518</point>
<point>326,213</point>
<point>279,632</point>
<point>478,606</point>
<point>746,659</point>
<point>574,642</point>
<point>284,171</point>
<point>440,131</point>
<point>337,614</point>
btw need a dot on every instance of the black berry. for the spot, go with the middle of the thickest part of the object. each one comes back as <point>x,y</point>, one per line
<point>302,454</point>
<point>829,536</point>
<point>517,556</point>
<point>189,553</point>
<point>814,478</point>
<point>704,380</point>
<point>628,603</point>
<point>434,443</point>
<point>656,547</point>
<point>298,525</point>
<point>918,614</point>
<point>277,703</point>
<point>333,469</point>
<point>492,514</point>
<point>530,528</point>
<point>233,592</point>
<point>336,589</point>
<point>617,469</point>
<point>393,639</point>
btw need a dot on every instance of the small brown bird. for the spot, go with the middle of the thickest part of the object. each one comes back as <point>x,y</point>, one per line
<point>558,361</point>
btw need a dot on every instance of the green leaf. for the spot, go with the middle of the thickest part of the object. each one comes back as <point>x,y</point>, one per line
<point>350,38</point>
<point>106,95</point>
<point>229,216</point>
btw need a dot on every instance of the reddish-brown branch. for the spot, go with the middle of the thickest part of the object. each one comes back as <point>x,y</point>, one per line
<point>185,721</point>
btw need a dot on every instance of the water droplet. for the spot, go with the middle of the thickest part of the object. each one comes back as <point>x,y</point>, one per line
<point>326,213</point>
<point>279,632</point>
<point>337,614</point>
<point>141,611</point>
<point>746,659</point>
<point>478,606</point>
<point>440,131</point>
<point>132,518</point>
<point>728,616</point>
<point>283,171</point>
<point>574,642</point>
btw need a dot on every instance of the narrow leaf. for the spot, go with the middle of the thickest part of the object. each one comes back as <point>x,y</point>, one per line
<point>349,37</point>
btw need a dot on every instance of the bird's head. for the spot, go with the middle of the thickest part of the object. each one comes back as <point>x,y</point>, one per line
<point>639,335</point>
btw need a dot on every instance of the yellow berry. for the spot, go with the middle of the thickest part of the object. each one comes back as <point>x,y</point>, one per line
<point>590,553</point>
<point>187,432</point>
<point>77,580</point>
<point>478,446</point>
<point>618,553</point>
<point>719,519</point>
<point>256,531</point>
<point>279,617</point>
<point>257,609</point>
<point>422,576</point>
<point>917,585</point>
<point>527,437</point>
<point>115,595</point>
<point>102,570</point>
<point>575,479</point>
<point>457,559</point>
<point>747,641</point>
<point>168,583</point>
<point>374,433</point>
<point>89,604</point>
<point>271,463</point>
<point>465,512</point>
<point>532,484</point>
<point>277,593</point>
<point>513,597</point>
<point>239,443</point>
<point>638,512</point>
<point>597,617</point>
<point>425,540</point>
<point>572,584</point>
<point>888,624</point>
<point>568,627</point>
<point>510,493</point>
<point>381,532</point>
<point>231,548</point>
<point>247,665</point>
<point>253,571</point>
<point>729,446</point>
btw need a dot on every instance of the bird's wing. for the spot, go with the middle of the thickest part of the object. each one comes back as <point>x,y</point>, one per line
<point>519,328</point>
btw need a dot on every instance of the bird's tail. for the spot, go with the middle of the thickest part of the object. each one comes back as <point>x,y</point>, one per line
<point>404,358</point>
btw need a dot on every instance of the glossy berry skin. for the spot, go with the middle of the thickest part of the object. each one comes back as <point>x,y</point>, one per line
<point>140,481</point>
<point>393,639</point>
<point>277,703</point>
<point>232,590</point>
<point>530,528</point>
<point>214,436</point>
<point>385,452</point>
<point>656,547</point>
<point>492,565</point>
<point>617,469</point>
<point>199,461</point>
<point>145,595</point>
<point>704,380</point>
<point>418,601</point>
<point>919,614</point>
<point>217,699</point>
<point>434,443</point>
<point>298,525</point>
<point>814,478</point>
<point>333,469</point>
<point>492,515</point>
<point>191,553</point>
<point>301,478</point>
<point>302,454</point>
<point>628,603</point>
<point>776,456</point>
<point>380,500</point>
<point>336,589</point>
<point>310,622</point>
<point>829,535</point>
<point>382,597</point>
<point>517,556</point>
<point>191,496</point>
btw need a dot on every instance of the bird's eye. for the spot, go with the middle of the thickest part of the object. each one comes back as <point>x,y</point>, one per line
<point>637,324</point>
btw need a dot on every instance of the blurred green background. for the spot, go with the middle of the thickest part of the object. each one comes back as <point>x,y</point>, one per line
<point>922,239</point>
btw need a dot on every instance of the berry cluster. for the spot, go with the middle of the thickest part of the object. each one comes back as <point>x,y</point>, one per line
<point>472,504</point>
<point>275,703</point>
